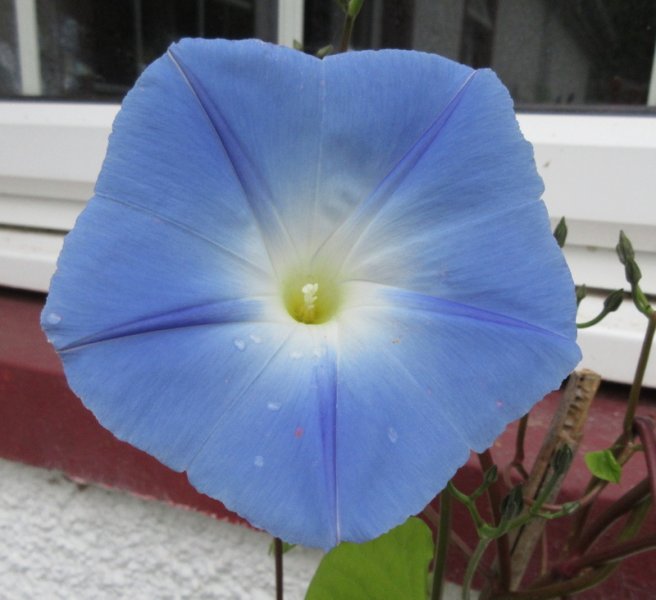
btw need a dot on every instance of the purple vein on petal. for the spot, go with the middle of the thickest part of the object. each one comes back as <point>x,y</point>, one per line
<point>317,176</point>
<point>210,314</point>
<point>365,212</point>
<point>190,230</point>
<point>328,416</point>
<point>256,191</point>
<point>404,299</point>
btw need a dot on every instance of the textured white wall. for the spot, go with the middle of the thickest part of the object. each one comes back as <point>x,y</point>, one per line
<point>60,541</point>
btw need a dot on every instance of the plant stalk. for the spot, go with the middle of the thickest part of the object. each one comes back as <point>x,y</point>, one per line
<point>277,551</point>
<point>636,386</point>
<point>442,545</point>
<point>472,567</point>
<point>495,492</point>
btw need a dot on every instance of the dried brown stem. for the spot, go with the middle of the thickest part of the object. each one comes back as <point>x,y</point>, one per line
<point>566,429</point>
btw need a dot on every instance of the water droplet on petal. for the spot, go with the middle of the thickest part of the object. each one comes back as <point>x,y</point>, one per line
<point>53,318</point>
<point>499,403</point>
<point>274,406</point>
<point>256,339</point>
<point>296,355</point>
<point>259,461</point>
<point>239,344</point>
<point>392,435</point>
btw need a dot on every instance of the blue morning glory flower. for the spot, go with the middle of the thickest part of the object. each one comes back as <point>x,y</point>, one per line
<point>313,285</point>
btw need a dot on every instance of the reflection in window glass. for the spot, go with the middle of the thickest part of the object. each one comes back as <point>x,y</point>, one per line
<point>560,53</point>
<point>96,49</point>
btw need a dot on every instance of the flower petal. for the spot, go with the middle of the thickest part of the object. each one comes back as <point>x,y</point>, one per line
<point>507,262</point>
<point>173,384</point>
<point>263,103</point>
<point>398,103</point>
<point>471,164</point>
<point>441,379</point>
<point>164,158</point>
<point>311,139</point>
<point>271,455</point>
<point>123,268</point>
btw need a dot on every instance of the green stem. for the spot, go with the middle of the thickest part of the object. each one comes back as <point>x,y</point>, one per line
<point>636,387</point>
<point>544,589</point>
<point>495,493</point>
<point>627,429</point>
<point>615,511</point>
<point>442,545</point>
<point>600,317</point>
<point>479,522</point>
<point>346,34</point>
<point>472,567</point>
<point>640,300</point>
<point>561,588</point>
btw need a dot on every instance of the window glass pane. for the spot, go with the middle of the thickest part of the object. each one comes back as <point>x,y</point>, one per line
<point>9,78</point>
<point>95,49</point>
<point>550,53</point>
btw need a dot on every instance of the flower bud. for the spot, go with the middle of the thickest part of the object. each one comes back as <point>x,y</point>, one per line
<point>613,301</point>
<point>560,233</point>
<point>625,249</point>
<point>562,459</point>
<point>512,504</point>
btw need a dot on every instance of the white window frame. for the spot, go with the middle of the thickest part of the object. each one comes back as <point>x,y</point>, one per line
<point>599,172</point>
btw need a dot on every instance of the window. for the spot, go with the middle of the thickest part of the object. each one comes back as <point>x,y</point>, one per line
<point>81,49</point>
<point>581,73</point>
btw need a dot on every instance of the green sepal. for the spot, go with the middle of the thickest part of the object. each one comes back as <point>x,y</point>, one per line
<point>325,51</point>
<point>632,272</point>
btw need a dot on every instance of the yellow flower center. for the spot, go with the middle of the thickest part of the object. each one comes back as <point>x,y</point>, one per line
<point>311,298</point>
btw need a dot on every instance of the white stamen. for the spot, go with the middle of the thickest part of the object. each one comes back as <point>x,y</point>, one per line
<point>310,294</point>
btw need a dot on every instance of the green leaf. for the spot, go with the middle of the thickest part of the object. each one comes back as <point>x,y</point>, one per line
<point>602,464</point>
<point>393,565</point>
